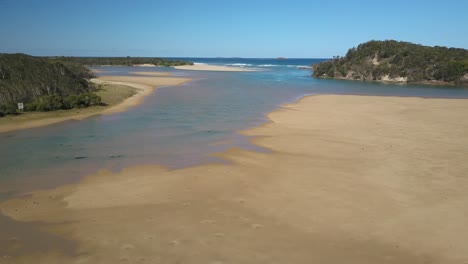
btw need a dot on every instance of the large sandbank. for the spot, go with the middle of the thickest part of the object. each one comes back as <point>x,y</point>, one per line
<point>209,67</point>
<point>349,179</point>
<point>144,87</point>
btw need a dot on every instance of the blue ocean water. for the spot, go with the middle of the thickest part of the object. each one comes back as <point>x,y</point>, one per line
<point>176,126</point>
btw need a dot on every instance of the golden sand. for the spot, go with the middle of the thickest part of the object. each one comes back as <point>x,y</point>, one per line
<point>351,179</point>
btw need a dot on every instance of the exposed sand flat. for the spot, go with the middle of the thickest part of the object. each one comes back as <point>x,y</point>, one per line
<point>144,65</point>
<point>208,67</point>
<point>146,80</point>
<point>153,73</point>
<point>351,179</point>
<point>145,86</point>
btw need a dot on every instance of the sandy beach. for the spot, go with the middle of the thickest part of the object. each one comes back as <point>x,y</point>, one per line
<point>349,179</point>
<point>144,87</point>
<point>209,67</point>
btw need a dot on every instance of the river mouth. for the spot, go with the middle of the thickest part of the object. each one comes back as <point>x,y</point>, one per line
<point>176,127</point>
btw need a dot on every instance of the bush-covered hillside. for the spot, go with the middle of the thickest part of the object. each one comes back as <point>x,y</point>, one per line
<point>120,61</point>
<point>398,62</point>
<point>42,85</point>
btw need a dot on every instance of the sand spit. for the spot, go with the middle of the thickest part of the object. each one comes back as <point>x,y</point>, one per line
<point>351,179</point>
<point>156,74</point>
<point>208,67</point>
<point>145,86</point>
<point>144,65</point>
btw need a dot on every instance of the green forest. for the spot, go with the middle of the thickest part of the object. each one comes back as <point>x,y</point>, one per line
<point>398,61</point>
<point>43,85</point>
<point>119,61</point>
<point>54,83</point>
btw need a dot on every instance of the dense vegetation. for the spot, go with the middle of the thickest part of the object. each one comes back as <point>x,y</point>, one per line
<point>42,84</point>
<point>398,61</point>
<point>120,61</point>
<point>53,83</point>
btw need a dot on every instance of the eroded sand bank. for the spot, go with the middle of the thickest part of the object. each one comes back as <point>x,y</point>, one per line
<point>351,179</point>
<point>145,86</point>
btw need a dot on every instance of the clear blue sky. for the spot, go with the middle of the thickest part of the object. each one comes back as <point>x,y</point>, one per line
<point>233,28</point>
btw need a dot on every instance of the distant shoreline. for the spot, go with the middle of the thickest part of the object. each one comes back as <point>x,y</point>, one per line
<point>144,86</point>
<point>390,81</point>
<point>210,67</point>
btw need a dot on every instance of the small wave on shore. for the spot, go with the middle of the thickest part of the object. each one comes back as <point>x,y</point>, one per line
<point>239,65</point>
<point>268,65</point>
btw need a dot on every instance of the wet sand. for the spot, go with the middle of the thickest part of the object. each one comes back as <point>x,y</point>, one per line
<point>208,67</point>
<point>350,179</point>
<point>144,85</point>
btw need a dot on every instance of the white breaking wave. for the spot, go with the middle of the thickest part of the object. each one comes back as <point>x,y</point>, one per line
<point>268,65</point>
<point>304,67</point>
<point>239,65</point>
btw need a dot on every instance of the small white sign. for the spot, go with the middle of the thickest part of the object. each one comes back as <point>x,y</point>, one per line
<point>20,106</point>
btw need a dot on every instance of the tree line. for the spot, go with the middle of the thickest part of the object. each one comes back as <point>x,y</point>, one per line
<point>53,83</point>
<point>120,61</point>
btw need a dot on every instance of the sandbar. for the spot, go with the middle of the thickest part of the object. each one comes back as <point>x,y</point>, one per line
<point>209,67</point>
<point>144,65</point>
<point>349,179</point>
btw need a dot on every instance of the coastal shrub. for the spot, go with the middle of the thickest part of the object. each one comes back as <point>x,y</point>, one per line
<point>9,108</point>
<point>82,100</point>
<point>55,102</point>
<point>72,101</point>
<point>49,103</point>
<point>85,100</point>
<point>29,107</point>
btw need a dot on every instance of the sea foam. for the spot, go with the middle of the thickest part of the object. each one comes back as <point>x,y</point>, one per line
<point>239,64</point>
<point>268,65</point>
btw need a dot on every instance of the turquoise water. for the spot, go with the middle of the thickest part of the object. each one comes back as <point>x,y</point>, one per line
<point>176,126</point>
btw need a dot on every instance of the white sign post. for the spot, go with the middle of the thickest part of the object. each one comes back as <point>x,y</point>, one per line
<point>20,106</point>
